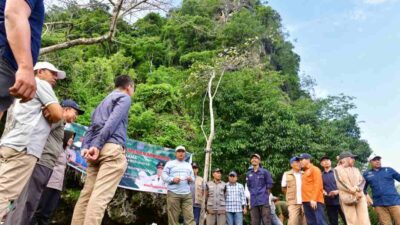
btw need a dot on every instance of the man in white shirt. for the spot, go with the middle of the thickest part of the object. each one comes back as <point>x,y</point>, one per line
<point>26,132</point>
<point>291,186</point>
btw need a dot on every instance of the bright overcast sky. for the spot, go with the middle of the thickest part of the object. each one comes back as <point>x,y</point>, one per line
<point>353,47</point>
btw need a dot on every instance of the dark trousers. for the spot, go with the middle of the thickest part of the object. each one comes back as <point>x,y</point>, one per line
<point>196,214</point>
<point>314,217</point>
<point>260,214</point>
<point>333,212</point>
<point>48,203</point>
<point>27,202</point>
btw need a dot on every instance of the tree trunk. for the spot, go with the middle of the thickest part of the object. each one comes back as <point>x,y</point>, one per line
<point>210,138</point>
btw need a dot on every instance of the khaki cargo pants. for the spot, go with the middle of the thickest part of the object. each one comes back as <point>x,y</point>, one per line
<point>177,203</point>
<point>15,170</point>
<point>296,215</point>
<point>101,183</point>
<point>387,213</point>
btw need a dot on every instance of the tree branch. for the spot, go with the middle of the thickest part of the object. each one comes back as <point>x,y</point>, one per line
<point>132,7</point>
<point>79,41</point>
<point>202,117</point>
<point>219,82</point>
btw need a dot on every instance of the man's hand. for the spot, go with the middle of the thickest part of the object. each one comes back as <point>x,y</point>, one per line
<point>245,210</point>
<point>189,179</point>
<point>92,155</point>
<point>25,85</point>
<point>313,204</point>
<point>176,180</point>
<point>333,193</point>
<point>359,195</point>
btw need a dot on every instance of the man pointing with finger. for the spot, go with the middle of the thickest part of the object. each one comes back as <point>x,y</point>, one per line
<point>104,149</point>
<point>21,24</point>
<point>178,174</point>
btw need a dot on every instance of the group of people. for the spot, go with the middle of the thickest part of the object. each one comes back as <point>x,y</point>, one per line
<point>33,153</point>
<point>32,147</point>
<point>310,194</point>
<point>33,159</point>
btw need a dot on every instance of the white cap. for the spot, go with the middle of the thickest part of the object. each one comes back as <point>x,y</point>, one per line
<point>46,65</point>
<point>180,147</point>
<point>373,156</point>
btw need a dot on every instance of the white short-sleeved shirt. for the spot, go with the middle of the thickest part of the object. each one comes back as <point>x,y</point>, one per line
<point>298,185</point>
<point>26,126</point>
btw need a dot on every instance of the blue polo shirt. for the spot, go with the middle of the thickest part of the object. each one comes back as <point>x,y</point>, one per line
<point>258,184</point>
<point>36,20</point>
<point>384,192</point>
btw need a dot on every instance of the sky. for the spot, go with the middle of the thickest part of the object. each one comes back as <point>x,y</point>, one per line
<point>353,47</point>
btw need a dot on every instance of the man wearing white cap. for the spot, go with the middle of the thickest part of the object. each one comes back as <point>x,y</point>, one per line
<point>27,128</point>
<point>386,199</point>
<point>178,174</point>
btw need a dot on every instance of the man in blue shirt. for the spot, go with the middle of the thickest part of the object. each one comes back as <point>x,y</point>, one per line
<point>178,174</point>
<point>331,192</point>
<point>21,24</point>
<point>104,148</point>
<point>259,182</point>
<point>386,199</point>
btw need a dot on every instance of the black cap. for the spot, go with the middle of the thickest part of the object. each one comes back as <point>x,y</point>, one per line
<point>160,164</point>
<point>324,157</point>
<point>304,156</point>
<point>217,170</point>
<point>194,165</point>
<point>71,103</point>
<point>255,155</point>
<point>346,154</point>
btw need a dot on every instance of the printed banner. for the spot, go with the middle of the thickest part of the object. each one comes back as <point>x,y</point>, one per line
<point>145,162</point>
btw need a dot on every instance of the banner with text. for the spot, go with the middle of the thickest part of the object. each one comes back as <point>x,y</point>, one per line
<point>145,162</point>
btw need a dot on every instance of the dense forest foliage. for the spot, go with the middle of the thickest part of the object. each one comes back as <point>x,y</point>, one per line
<point>262,106</point>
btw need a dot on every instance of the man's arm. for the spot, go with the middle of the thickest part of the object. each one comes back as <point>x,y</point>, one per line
<point>18,31</point>
<point>268,180</point>
<point>53,112</point>
<point>284,183</point>
<point>120,110</point>
<point>317,177</point>
<point>396,175</point>
<point>166,174</point>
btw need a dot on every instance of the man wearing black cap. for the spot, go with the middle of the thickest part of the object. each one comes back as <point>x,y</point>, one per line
<point>235,201</point>
<point>291,186</point>
<point>312,192</point>
<point>331,192</point>
<point>259,182</point>
<point>196,188</point>
<point>28,201</point>
<point>215,199</point>
<point>386,199</point>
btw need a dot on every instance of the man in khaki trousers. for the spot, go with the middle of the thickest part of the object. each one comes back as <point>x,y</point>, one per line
<point>104,149</point>
<point>386,199</point>
<point>291,186</point>
<point>178,174</point>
